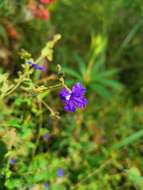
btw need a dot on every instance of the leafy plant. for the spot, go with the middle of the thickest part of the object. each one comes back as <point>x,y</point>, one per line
<point>94,73</point>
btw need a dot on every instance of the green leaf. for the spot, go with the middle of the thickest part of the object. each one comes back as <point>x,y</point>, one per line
<point>109,73</point>
<point>128,140</point>
<point>58,187</point>
<point>101,90</point>
<point>99,75</point>
<point>69,82</point>
<point>98,65</point>
<point>135,177</point>
<point>14,123</point>
<point>72,73</point>
<point>81,64</point>
<point>13,183</point>
<point>3,34</point>
<point>111,83</point>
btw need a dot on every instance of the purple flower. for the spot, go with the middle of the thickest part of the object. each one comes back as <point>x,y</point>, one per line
<point>36,66</point>
<point>60,172</point>
<point>12,161</point>
<point>75,98</point>
<point>46,185</point>
<point>46,136</point>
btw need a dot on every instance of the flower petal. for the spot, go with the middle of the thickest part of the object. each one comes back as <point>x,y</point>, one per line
<point>80,102</point>
<point>78,89</point>
<point>64,94</point>
<point>69,106</point>
<point>37,67</point>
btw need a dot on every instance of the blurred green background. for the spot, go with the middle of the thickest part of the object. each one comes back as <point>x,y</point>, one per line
<point>101,147</point>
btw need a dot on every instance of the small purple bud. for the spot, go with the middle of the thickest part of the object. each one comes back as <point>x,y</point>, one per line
<point>46,185</point>
<point>30,62</point>
<point>36,66</point>
<point>12,161</point>
<point>46,136</point>
<point>60,172</point>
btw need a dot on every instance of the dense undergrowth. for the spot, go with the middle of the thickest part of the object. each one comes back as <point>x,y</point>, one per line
<point>46,140</point>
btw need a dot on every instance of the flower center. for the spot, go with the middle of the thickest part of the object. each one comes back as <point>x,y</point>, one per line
<point>68,97</point>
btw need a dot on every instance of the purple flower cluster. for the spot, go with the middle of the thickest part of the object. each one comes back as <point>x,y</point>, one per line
<point>75,98</point>
<point>36,66</point>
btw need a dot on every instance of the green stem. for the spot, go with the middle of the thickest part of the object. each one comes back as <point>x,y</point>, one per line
<point>39,128</point>
<point>15,87</point>
<point>53,113</point>
<point>89,67</point>
<point>96,171</point>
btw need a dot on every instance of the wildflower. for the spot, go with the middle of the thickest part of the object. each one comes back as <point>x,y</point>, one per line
<point>60,172</point>
<point>46,1</point>
<point>46,136</point>
<point>75,98</point>
<point>12,161</point>
<point>36,66</point>
<point>46,185</point>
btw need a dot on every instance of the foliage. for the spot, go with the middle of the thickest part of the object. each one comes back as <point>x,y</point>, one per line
<point>41,145</point>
